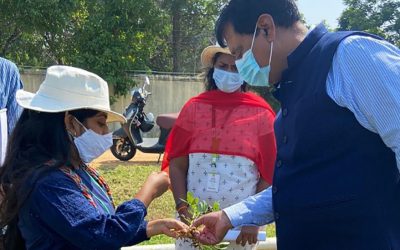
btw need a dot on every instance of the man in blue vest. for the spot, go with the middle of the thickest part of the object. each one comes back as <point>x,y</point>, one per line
<point>336,183</point>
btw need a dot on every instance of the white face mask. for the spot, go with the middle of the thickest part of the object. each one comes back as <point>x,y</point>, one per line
<point>91,145</point>
<point>226,81</point>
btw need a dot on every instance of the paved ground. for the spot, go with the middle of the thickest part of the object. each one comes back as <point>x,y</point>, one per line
<point>108,159</point>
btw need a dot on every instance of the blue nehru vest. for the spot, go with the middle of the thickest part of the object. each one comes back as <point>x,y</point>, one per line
<point>336,184</point>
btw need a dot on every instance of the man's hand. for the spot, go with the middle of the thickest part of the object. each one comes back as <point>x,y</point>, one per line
<point>247,234</point>
<point>216,225</point>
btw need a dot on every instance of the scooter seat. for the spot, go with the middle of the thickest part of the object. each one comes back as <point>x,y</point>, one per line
<point>167,121</point>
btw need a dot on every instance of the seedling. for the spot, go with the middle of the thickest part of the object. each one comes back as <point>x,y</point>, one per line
<point>198,208</point>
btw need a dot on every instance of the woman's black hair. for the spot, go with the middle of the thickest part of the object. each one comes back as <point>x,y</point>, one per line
<point>243,15</point>
<point>39,143</point>
<point>209,78</point>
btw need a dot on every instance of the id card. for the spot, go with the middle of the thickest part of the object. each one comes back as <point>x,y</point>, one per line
<point>213,182</point>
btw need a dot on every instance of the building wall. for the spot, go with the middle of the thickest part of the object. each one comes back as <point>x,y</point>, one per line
<point>169,93</point>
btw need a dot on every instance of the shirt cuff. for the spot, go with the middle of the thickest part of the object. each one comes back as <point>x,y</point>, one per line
<point>255,210</point>
<point>238,214</point>
<point>140,236</point>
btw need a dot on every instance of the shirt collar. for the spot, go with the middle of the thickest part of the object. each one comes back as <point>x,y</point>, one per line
<point>306,45</point>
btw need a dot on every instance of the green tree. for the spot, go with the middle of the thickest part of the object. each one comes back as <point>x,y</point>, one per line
<point>116,37</point>
<point>10,32</point>
<point>192,29</point>
<point>109,38</point>
<point>106,37</point>
<point>381,17</point>
<point>31,31</point>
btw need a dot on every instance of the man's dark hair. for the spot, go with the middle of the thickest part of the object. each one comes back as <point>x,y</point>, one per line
<point>243,15</point>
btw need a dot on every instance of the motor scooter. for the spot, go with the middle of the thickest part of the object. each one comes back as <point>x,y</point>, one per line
<point>129,137</point>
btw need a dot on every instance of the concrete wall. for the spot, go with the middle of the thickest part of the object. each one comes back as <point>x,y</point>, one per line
<point>169,93</point>
<point>32,79</point>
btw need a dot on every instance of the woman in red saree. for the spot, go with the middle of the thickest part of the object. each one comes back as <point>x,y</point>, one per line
<point>222,147</point>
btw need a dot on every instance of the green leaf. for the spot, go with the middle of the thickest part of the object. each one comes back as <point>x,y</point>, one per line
<point>198,208</point>
<point>190,198</point>
<point>216,207</point>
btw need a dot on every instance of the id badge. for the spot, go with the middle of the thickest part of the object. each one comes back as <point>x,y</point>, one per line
<point>213,182</point>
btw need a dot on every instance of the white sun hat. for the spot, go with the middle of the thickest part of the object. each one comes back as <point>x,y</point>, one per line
<point>67,88</point>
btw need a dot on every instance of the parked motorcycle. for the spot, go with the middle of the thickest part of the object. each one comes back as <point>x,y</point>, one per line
<point>128,138</point>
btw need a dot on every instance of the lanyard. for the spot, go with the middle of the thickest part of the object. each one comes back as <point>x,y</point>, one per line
<point>228,114</point>
<point>215,140</point>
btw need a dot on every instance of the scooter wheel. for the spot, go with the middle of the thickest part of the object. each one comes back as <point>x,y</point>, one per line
<point>123,149</point>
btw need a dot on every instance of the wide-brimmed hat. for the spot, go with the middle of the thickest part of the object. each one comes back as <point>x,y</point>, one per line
<point>67,88</point>
<point>208,54</point>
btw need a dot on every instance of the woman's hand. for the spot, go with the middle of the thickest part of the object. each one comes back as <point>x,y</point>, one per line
<point>169,227</point>
<point>184,215</point>
<point>247,234</point>
<point>159,182</point>
<point>155,185</point>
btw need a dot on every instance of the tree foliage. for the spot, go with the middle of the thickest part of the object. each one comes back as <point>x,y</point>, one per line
<point>109,38</point>
<point>192,26</point>
<point>31,31</point>
<point>115,37</point>
<point>381,17</point>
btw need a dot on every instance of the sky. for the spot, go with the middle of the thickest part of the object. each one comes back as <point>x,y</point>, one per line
<point>317,10</point>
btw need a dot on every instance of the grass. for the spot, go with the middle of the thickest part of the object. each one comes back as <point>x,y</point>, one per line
<point>126,179</point>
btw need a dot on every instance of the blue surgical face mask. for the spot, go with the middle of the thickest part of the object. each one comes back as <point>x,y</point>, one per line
<point>226,81</point>
<point>249,69</point>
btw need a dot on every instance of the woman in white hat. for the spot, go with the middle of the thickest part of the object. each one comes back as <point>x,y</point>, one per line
<point>51,198</point>
<point>222,147</point>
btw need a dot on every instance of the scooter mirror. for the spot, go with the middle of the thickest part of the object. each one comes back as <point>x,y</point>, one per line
<point>147,80</point>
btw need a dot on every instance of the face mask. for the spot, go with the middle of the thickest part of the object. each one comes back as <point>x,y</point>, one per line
<point>91,145</point>
<point>250,70</point>
<point>226,81</point>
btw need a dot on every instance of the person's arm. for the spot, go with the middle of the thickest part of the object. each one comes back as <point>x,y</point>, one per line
<point>61,207</point>
<point>262,185</point>
<point>178,174</point>
<point>155,185</point>
<point>255,210</point>
<point>14,83</point>
<point>248,234</point>
<point>365,78</point>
